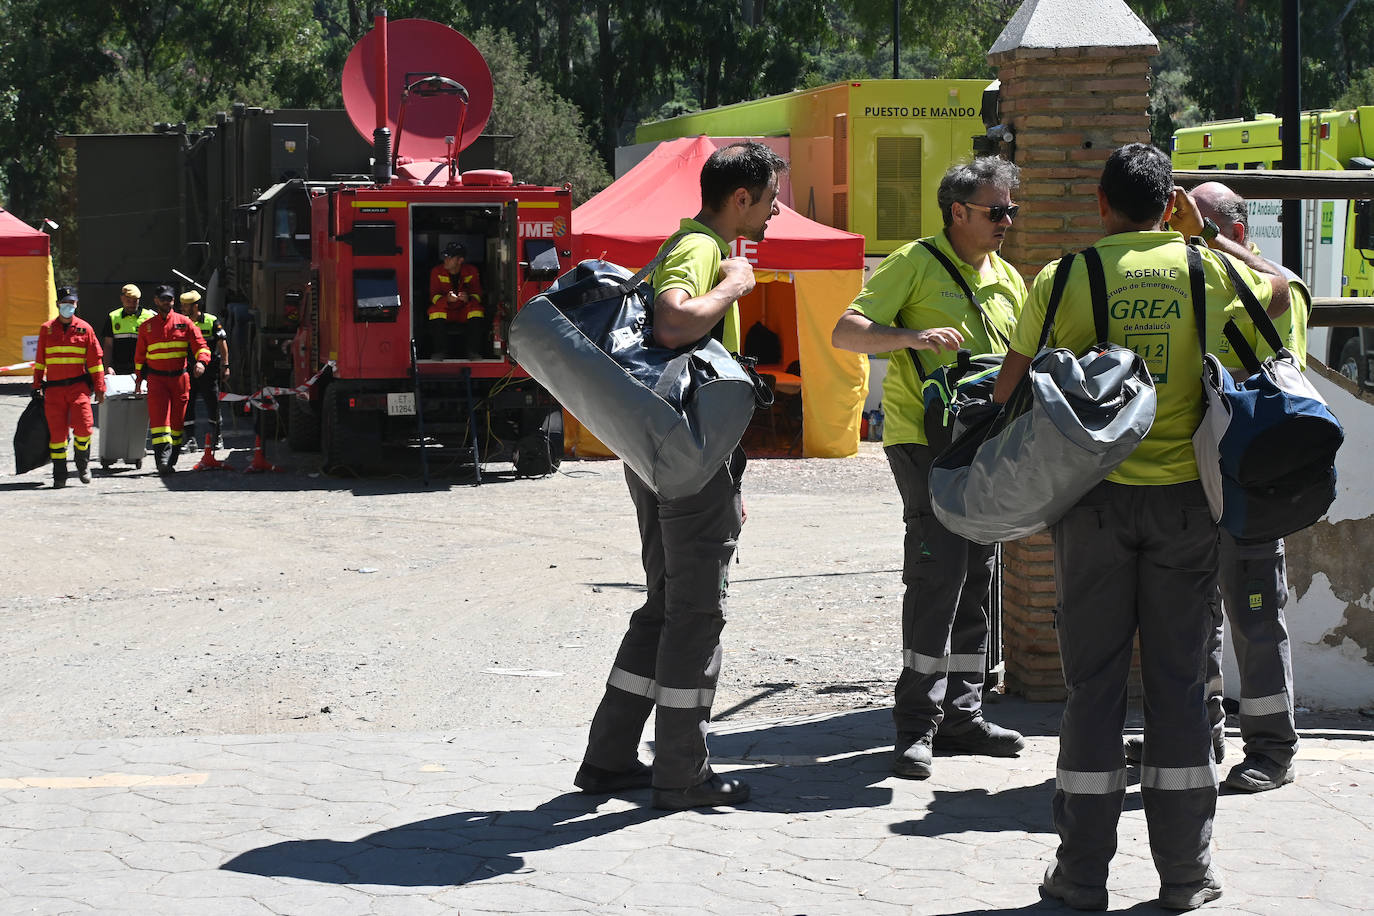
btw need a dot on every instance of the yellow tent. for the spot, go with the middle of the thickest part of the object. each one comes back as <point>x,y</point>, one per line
<point>26,291</point>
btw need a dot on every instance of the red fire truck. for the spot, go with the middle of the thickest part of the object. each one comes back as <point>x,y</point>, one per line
<point>383,397</point>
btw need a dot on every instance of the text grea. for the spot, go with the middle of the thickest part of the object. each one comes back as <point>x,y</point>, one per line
<point>1148,309</point>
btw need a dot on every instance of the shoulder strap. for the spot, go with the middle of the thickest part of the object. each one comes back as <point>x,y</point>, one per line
<point>1061,277</point>
<point>963,285</point>
<point>625,287</point>
<point>1257,314</point>
<point>1097,286</point>
<point>1197,285</point>
<point>658,259</point>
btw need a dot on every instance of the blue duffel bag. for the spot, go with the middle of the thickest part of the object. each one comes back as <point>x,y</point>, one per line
<point>1266,447</point>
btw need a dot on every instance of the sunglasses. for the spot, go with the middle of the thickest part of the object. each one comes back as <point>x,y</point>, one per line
<point>995,214</point>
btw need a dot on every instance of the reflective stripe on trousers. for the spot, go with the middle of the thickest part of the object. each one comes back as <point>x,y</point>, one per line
<point>928,664</point>
<point>672,697</point>
<point>1254,590</point>
<point>1136,560</point>
<point>946,591</point>
<point>669,658</point>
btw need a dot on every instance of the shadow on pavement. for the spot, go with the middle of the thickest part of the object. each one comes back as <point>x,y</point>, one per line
<point>454,849</point>
<point>813,765</point>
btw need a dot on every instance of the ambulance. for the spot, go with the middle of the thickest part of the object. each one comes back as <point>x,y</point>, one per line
<point>1338,235</point>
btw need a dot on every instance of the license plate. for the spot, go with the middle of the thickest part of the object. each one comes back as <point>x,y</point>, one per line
<point>400,404</point>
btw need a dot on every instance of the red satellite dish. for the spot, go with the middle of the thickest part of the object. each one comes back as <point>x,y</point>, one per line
<point>416,49</point>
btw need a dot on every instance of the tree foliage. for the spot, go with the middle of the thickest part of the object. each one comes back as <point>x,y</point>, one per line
<point>1230,51</point>
<point>548,144</point>
<point>574,78</point>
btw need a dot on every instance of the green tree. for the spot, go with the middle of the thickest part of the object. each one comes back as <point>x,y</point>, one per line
<point>548,144</point>
<point>1231,50</point>
<point>1361,92</point>
<point>947,40</point>
<point>51,56</point>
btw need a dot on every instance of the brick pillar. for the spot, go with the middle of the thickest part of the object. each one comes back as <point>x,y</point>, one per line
<point>1070,99</point>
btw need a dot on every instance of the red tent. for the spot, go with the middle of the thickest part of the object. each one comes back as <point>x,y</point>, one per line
<point>631,218</point>
<point>807,275</point>
<point>26,290</point>
<point>19,238</point>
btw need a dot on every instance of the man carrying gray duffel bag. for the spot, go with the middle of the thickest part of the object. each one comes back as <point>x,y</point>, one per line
<point>673,416</point>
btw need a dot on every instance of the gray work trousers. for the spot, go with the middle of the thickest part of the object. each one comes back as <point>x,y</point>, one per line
<point>669,658</point>
<point>1254,590</point>
<point>948,582</point>
<point>1128,560</point>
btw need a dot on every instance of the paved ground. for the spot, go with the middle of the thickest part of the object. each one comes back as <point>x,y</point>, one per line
<point>483,821</point>
<point>227,711</point>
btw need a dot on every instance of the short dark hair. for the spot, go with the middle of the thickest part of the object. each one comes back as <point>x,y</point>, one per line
<point>1233,209</point>
<point>455,250</point>
<point>1137,180</point>
<point>963,180</point>
<point>747,165</point>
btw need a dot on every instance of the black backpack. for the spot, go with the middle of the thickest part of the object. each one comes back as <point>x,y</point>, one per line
<point>763,345</point>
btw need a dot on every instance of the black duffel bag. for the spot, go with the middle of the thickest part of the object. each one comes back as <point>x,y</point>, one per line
<point>31,438</point>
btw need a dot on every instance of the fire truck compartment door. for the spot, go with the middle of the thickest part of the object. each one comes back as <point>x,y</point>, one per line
<point>376,297</point>
<point>541,256</point>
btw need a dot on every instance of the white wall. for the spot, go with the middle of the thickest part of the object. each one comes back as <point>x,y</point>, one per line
<point>1330,610</point>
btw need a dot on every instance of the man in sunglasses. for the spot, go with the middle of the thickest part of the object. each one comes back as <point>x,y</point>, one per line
<point>926,301</point>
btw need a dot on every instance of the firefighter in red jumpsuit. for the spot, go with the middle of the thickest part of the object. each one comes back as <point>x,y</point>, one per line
<point>455,297</point>
<point>66,371</point>
<point>166,342</point>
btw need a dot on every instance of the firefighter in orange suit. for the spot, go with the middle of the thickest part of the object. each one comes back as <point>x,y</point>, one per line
<point>66,371</point>
<point>166,342</point>
<point>455,297</point>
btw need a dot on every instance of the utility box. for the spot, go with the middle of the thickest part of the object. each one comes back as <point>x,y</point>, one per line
<point>290,151</point>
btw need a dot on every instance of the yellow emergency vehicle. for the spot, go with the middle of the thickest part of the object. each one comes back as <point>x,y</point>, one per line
<point>866,156</point>
<point>1338,235</point>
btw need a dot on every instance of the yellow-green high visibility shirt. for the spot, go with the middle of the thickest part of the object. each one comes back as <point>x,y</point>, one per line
<point>1291,325</point>
<point>1150,311</point>
<point>694,266</point>
<point>912,285</point>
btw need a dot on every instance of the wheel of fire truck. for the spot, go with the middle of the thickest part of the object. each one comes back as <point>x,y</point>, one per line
<point>1349,363</point>
<point>539,452</point>
<point>303,426</point>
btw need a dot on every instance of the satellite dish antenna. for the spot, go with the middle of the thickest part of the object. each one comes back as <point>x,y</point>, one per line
<point>435,62</point>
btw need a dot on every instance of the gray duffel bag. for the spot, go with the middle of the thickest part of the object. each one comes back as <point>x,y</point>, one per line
<point>673,416</point>
<point>1014,471</point>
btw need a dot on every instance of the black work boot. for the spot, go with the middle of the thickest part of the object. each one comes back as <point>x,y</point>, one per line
<point>59,473</point>
<point>172,459</point>
<point>83,465</point>
<point>160,454</point>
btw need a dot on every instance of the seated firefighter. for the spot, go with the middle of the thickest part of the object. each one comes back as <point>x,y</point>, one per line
<point>455,297</point>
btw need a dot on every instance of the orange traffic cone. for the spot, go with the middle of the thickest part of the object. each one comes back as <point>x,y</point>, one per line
<point>208,461</point>
<point>260,463</point>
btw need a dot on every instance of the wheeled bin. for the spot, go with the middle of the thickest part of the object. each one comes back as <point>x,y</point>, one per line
<point>123,429</point>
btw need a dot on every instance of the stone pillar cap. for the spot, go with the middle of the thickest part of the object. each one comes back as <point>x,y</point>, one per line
<point>1056,24</point>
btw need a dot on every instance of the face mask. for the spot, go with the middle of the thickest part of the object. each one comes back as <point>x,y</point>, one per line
<point>66,309</point>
